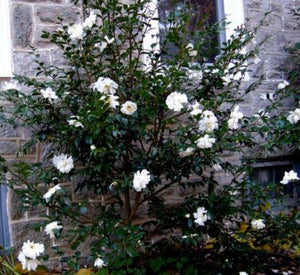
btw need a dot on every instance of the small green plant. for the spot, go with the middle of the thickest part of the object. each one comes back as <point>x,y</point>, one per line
<point>7,262</point>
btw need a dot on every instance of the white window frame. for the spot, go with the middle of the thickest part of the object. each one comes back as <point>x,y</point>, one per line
<point>232,10</point>
<point>234,14</point>
<point>5,45</point>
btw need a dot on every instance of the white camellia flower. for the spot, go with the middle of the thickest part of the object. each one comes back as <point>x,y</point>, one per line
<point>294,116</point>
<point>226,79</point>
<point>109,40</point>
<point>195,108</point>
<point>32,250</point>
<point>51,192</point>
<point>10,85</point>
<point>63,163</point>
<point>201,216</point>
<point>256,60</point>
<point>23,260</point>
<point>90,21</point>
<point>208,122</point>
<point>28,264</point>
<point>192,52</point>
<point>74,121</point>
<point>217,167</point>
<point>245,76</point>
<point>99,263</point>
<point>105,85</point>
<point>128,108</point>
<point>76,31</point>
<point>205,142</point>
<point>93,147</point>
<point>187,152</point>
<point>265,96</point>
<point>140,179</point>
<point>50,227</point>
<point>289,176</point>
<point>243,273</point>
<point>176,100</point>
<point>189,236</point>
<point>215,71</point>
<point>103,44</point>
<point>112,100</point>
<point>258,224</point>
<point>233,122</point>
<point>195,76</point>
<point>233,72</point>
<point>283,84</point>
<point>49,94</point>
<point>29,253</point>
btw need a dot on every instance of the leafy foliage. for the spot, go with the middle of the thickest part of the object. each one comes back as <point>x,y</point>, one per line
<point>180,122</point>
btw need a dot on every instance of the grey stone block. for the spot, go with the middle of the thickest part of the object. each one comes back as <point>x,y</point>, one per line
<point>274,21</point>
<point>58,59</point>
<point>223,178</point>
<point>8,147</point>
<point>24,62</point>
<point>256,70</point>
<point>257,101</point>
<point>50,14</point>
<point>275,43</point>
<point>290,22</point>
<point>31,151</point>
<point>22,25</point>
<point>185,191</point>
<point>37,211</point>
<point>24,231</point>
<point>288,102</point>
<point>285,3</point>
<point>275,7</point>
<point>16,210</point>
<point>271,21</point>
<point>25,132</point>
<point>258,4</point>
<point>7,130</point>
<point>40,42</point>
<point>276,67</point>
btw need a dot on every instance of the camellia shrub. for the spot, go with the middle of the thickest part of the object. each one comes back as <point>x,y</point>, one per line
<point>142,137</point>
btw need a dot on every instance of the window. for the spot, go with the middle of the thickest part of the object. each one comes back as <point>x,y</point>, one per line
<point>5,46</point>
<point>202,15</point>
<point>215,10</point>
<point>272,172</point>
<point>4,230</point>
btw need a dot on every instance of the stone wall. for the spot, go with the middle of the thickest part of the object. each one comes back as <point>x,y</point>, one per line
<point>30,17</point>
<point>282,29</point>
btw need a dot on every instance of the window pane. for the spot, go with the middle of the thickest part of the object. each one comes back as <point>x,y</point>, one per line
<point>202,15</point>
<point>274,174</point>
